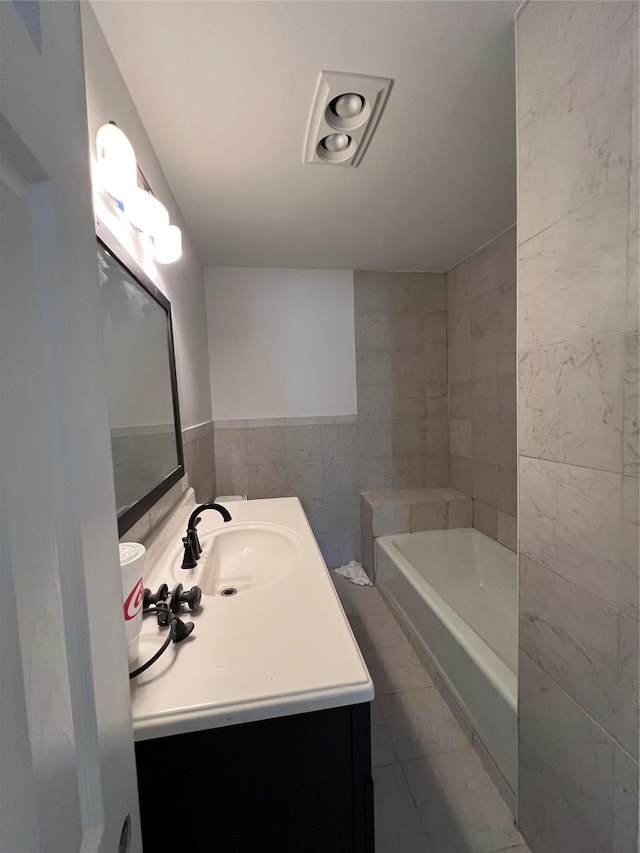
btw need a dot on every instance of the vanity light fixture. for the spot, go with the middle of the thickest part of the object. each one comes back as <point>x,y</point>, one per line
<point>119,175</point>
<point>344,115</point>
<point>117,167</point>
<point>168,245</point>
<point>145,212</point>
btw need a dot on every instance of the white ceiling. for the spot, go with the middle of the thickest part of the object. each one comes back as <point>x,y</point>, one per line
<point>225,88</point>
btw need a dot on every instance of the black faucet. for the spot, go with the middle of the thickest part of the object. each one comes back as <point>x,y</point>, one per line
<point>192,547</point>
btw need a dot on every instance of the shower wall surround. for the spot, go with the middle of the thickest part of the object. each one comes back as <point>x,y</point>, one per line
<point>399,439</point>
<point>481,345</point>
<point>577,85</point>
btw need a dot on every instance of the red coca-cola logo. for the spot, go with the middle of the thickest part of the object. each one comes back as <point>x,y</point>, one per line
<point>133,601</point>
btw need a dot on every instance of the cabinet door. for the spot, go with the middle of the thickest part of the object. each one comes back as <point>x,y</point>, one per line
<point>285,785</point>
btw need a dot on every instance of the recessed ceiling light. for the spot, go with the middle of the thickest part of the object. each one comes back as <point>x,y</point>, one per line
<point>345,111</point>
<point>335,148</point>
<point>347,106</point>
<point>336,141</point>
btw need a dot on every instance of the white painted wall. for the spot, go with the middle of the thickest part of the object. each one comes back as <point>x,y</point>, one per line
<point>281,342</point>
<point>108,99</point>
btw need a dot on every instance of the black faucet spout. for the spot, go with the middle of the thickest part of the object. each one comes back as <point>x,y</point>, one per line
<point>224,512</point>
<point>192,547</point>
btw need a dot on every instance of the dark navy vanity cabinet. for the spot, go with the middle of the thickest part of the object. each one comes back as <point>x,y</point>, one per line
<point>295,784</point>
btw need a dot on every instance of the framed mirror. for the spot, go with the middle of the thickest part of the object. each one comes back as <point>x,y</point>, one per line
<point>142,390</point>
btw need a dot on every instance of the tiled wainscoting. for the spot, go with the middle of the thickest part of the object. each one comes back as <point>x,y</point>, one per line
<point>199,461</point>
<point>481,344</point>
<point>432,794</point>
<point>314,459</point>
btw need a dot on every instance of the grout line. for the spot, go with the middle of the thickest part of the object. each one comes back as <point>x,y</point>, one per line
<point>578,586</point>
<point>425,829</point>
<point>573,465</point>
<point>610,736</point>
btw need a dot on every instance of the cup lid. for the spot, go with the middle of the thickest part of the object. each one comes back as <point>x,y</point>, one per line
<point>130,551</point>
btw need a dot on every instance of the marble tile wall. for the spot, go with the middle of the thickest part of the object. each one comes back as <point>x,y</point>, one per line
<point>399,439</point>
<point>577,85</point>
<point>481,345</point>
<point>401,372</point>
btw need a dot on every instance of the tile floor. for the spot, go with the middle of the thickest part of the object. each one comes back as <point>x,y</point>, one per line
<point>432,794</point>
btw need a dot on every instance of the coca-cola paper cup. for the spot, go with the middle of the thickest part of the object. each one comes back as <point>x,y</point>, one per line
<point>132,556</point>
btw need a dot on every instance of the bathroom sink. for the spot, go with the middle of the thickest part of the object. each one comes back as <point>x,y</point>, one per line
<point>246,557</point>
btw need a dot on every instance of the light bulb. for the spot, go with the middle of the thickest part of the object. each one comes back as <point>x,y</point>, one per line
<point>168,245</point>
<point>348,105</point>
<point>336,142</point>
<point>117,168</point>
<point>145,212</point>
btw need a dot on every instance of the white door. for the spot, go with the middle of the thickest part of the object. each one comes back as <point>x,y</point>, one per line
<point>67,769</point>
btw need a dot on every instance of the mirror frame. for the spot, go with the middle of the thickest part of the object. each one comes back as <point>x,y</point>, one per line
<point>134,513</point>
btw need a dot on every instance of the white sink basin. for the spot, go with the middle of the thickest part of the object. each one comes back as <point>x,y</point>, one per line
<point>247,556</point>
<point>281,646</point>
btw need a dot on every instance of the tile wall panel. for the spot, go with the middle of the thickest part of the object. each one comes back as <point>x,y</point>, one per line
<point>481,346</point>
<point>578,323</point>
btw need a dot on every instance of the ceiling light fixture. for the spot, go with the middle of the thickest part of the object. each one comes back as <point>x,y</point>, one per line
<point>335,147</point>
<point>347,106</point>
<point>345,112</point>
<point>336,141</point>
<point>118,174</point>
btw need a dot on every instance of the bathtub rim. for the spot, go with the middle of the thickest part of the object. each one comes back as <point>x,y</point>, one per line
<point>502,678</point>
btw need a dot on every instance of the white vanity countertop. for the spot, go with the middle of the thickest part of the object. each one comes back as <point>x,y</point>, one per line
<point>262,653</point>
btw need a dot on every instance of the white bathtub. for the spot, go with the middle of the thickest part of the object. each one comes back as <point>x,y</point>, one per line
<point>456,590</point>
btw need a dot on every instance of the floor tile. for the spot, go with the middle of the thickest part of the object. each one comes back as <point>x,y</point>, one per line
<point>398,825</point>
<point>342,584</point>
<point>440,800</point>
<point>382,749</point>
<point>376,630</point>
<point>420,724</point>
<point>365,601</point>
<point>460,809</point>
<point>396,668</point>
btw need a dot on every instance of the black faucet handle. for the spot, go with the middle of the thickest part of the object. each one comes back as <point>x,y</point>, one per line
<point>192,534</point>
<point>190,558</point>
<point>196,537</point>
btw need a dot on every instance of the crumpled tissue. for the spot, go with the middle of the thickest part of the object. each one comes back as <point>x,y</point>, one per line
<point>354,572</point>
